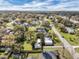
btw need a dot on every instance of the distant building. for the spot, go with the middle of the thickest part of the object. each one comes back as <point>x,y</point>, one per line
<point>51,17</point>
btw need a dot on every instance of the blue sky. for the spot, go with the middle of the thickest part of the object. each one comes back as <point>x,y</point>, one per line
<point>40,5</point>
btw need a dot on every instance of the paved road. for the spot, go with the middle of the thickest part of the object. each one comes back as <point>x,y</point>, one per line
<point>59,46</point>
<point>31,58</point>
<point>53,47</point>
<point>66,44</point>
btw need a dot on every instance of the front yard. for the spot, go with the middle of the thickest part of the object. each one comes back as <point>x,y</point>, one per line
<point>72,39</point>
<point>27,46</point>
<point>77,50</point>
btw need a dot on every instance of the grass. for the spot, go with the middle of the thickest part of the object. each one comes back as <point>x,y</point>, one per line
<point>57,42</point>
<point>27,46</point>
<point>1,53</point>
<point>67,36</point>
<point>35,55</point>
<point>77,50</point>
<point>72,39</point>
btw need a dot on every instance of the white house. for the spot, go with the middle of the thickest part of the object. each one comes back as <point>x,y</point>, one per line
<point>70,30</point>
<point>41,30</point>
<point>48,41</point>
<point>38,44</point>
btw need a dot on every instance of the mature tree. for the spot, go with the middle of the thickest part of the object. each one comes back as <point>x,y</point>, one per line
<point>17,48</point>
<point>30,36</point>
<point>19,36</point>
<point>9,39</point>
<point>19,33</point>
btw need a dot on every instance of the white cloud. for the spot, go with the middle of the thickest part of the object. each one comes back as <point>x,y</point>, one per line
<point>47,5</point>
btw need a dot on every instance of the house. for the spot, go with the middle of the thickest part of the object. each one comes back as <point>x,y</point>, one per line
<point>7,31</point>
<point>34,23</point>
<point>70,30</point>
<point>8,50</point>
<point>51,17</point>
<point>41,30</point>
<point>38,45</point>
<point>25,24</point>
<point>16,56</point>
<point>48,41</point>
<point>4,48</point>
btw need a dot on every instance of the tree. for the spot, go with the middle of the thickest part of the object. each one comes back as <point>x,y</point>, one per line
<point>19,27</point>
<point>50,33</point>
<point>17,48</point>
<point>19,33</point>
<point>19,36</point>
<point>46,24</point>
<point>30,36</point>
<point>9,40</point>
<point>40,35</point>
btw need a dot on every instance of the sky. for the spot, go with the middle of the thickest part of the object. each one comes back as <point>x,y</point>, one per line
<point>40,5</point>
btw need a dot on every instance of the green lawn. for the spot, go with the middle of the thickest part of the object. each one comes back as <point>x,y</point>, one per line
<point>35,55</point>
<point>67,36</point>
<point>77,50</point>
<point>27,46</point>
<point>72,39</point>
<point>57,42</point>
<point>1,53</point>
